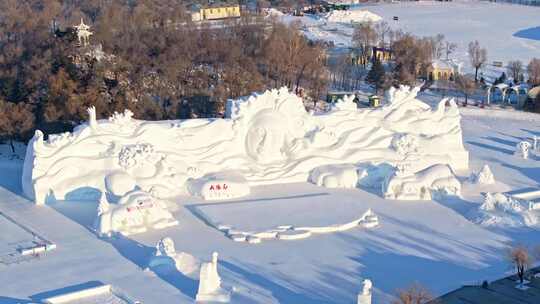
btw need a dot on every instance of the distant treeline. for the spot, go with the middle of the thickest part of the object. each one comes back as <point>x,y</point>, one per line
<point>146,56</point>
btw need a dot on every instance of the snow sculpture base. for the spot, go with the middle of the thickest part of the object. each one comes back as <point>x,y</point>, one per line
<point>420,185</point>
<point>367,220</point>
<point>210,284</point>
<point>135,213</point>
<point>335,176</point>
<point>269,138</point>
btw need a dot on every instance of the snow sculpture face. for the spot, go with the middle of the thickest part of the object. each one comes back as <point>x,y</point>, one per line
<point>266,139</point>
<point>367,285</point>
<point>166,247</point>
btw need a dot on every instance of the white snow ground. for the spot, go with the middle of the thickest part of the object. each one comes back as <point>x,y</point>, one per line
<point>427,241</point>
<point>509,32</point>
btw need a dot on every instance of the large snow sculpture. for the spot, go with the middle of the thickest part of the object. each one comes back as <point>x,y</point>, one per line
<point>210,284</point>
<point>266,138</point>
<point>166,255</point>
<point>335,176</point>
<point>364,297</point>
<point>135,213</point>
<point>483,177</point>
<point>522,149</point>
<point>403,185</point>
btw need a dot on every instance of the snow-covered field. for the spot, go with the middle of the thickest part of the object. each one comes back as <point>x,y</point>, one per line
<point>432,242</point>
<point>509,32</point>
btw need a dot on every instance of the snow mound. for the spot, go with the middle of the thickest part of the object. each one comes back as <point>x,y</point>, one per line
<point>483,177</point>
<point>499,209</point>
<point>134,213</point>
<point>352,16</point>
<point>166,257</point>
<point>267,138</point>
<point>439,179</point>
<point>335,176</point>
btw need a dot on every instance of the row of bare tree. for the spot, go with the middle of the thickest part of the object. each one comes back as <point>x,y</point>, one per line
<point>152,60</point>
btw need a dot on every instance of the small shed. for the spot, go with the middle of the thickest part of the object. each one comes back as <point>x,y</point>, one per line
<point>374,101</point>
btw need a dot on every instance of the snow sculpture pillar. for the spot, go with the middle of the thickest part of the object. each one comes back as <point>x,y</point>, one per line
<point>535,143</point>
<point>103,220</point>
<point>210,283</point>
<point>522,149</point>
<point>92,120</point>
<point>364,297</point>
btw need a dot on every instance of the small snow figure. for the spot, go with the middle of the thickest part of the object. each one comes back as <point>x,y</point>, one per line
<point>535,143</point>
<point>484,177</point>
<point>165,247</point>
<point>364,297</point>
<point>210,284</point>
<point>522,149</point>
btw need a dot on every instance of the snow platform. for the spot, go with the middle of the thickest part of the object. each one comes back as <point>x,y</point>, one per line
<point>280,208</point>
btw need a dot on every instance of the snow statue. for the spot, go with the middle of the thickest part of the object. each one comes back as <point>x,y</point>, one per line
<point>369,219</point>
<point>135,213</point>
<point>420,185</point>
<point>364,297</point>
<point>210,284</point>
<point>166,255</point>
<point>484,176</point>
<point>535,143</point>
<point>83,33</point>
<point>92,120</point>
<point>266,138</point>
<point>522,149</point>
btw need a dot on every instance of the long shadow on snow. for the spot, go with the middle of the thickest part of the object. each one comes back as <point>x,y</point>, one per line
<point>393,268</point>
<point>532,33</point>
<point>532,173</point>
<point>8,300</point>
<point>281,293</point>
<point>139,255</point>
<point>490,147</point>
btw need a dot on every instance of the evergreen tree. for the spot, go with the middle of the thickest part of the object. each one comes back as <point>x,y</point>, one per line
<point>376,75</point>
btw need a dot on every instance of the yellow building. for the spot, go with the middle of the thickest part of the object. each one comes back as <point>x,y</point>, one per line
<point>215,12</point>
<point>382,54</point>
<point>441,70</point>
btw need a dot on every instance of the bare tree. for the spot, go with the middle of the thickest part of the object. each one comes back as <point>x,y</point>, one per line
<point>519,257</point>
<point>449,48</point>
<point>466,86</point>
<point>382,30</point>
<point>515,69</point>
<point>533,68</point>
<point>478,57</point>
<point>437,45</point>
<point>364,38</point>
<point>414,294</point>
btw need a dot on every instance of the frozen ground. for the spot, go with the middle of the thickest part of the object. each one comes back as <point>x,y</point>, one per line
<point>509,32</point>
<point>427,241</point>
